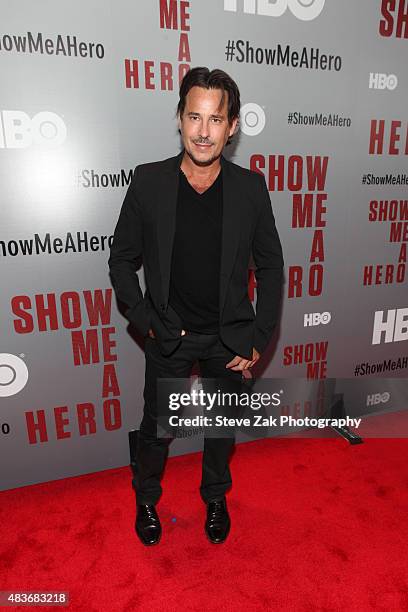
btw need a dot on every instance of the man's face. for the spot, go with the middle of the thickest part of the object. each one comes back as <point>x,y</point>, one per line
<point>204,126</point>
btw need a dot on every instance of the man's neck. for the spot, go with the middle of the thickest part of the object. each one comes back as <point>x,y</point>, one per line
<point>202,175</point>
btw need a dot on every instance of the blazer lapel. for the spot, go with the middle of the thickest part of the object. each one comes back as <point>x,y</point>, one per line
<point>166,224</point>
<point>230,227</point>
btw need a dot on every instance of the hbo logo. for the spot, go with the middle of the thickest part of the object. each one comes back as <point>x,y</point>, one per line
<point>18,131</point>
<point>306,10</point>
<point>378,398</point>
<point>378,80</point>
<point>316,318</point>
<point>252,119</point>
<point>395,326</point>
<point>13,374</point>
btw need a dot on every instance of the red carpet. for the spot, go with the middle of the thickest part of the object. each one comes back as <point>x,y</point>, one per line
<point>316,525</point>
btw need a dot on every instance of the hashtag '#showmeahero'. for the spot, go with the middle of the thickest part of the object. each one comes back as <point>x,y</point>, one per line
<point>230,50</point>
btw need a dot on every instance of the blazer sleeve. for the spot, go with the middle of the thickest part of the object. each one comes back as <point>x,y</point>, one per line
<point>268,258</point>
<point>125,254</point>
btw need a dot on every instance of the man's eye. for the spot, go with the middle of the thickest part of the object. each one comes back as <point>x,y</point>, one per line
<point>216,120</point>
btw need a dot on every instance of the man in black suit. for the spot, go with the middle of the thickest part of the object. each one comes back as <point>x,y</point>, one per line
<point>195,220</point>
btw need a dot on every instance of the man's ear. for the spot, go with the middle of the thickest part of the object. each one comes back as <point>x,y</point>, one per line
<point>179,122</point>
<point>233,126</point>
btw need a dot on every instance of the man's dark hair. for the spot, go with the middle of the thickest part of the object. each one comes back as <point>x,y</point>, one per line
<point>201,76</point>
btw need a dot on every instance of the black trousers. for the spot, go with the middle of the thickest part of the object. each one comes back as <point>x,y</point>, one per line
<point>151,451</point>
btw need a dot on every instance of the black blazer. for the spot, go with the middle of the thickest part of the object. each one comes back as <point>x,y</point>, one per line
<point>145,230</point>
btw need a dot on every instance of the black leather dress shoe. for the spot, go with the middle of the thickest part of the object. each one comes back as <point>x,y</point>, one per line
<point>147,525</point>
<point>218,522</point>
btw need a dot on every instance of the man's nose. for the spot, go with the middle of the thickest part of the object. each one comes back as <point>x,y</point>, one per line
<point>204,129</point>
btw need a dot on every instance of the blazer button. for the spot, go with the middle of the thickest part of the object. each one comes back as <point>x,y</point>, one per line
<point>162,306</point>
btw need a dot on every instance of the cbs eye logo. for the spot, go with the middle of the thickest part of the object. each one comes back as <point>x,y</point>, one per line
<point>13,374</point>
<point>252,119</point>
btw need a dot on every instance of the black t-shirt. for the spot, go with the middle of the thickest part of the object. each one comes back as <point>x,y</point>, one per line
<point>196,256</point>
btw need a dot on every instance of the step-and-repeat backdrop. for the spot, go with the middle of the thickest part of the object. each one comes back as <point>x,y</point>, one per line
<point>88,91</point>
